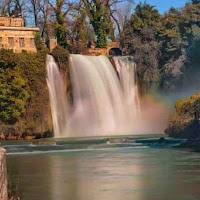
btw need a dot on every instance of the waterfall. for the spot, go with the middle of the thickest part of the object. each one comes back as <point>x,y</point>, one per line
<point>99,104</point>
<point>58,97</point>
<point>105,100</point>
<point>126,69</point>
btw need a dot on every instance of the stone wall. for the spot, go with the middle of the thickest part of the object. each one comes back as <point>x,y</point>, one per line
<point>102,51</point>
<point>14,35</point>
<point>3,175</point>
<point>11,21</point>
<point>18,38</point>
<point>52,44</point>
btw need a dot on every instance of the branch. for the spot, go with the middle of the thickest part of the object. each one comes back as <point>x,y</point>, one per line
<point>51,5</point>
<point>116,21</point>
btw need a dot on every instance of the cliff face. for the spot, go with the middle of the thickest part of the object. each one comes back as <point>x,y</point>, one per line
<point>184,123</point>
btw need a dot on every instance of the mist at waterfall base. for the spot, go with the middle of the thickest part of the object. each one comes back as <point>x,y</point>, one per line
<point>106,99</point>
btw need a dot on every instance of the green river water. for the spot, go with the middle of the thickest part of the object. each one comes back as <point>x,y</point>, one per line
<point>100,171</point>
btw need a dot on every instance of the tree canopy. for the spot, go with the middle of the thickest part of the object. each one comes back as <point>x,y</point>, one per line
<point>164,46</point>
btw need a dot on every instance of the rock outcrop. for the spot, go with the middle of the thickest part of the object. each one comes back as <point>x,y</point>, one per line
<point>3,175</point>
<point>185,122</point>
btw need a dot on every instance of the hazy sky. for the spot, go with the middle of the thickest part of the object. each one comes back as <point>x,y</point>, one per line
<point>164,5</point>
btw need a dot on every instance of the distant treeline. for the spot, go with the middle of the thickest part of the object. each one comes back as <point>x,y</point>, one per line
<point>166,47</point>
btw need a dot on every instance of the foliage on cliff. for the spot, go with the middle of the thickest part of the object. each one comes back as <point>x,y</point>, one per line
<point>61,57</point>
<point>24,99</point>
<point>184,122</point>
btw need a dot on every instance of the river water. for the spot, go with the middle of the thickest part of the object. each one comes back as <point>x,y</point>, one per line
<point>99,171</point>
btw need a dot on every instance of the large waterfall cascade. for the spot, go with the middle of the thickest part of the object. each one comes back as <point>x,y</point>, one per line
<point>105,101</point>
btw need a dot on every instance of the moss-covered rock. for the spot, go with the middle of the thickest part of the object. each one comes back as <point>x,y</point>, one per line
<point>61,56</point>
<point>185,122</point>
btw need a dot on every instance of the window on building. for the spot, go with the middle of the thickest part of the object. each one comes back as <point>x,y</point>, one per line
<point>32,42</point>
<point>21,42</point>
<point>1,42</point>
<point>10,42</point>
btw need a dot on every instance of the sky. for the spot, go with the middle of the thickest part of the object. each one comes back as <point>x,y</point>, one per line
<point>165,5</point>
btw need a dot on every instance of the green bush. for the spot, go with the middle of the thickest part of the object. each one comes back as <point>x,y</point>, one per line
<point>184,123</point>
<point>14,92</point>
<point>61,56</point>
<point>24,97</point>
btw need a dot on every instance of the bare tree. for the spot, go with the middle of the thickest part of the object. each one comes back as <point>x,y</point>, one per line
<point>34,9</point>
<point>6,7</point>
<point>121,12</point>
<point>44,18</point>
<point>13,7</point>
<point>20,5</point>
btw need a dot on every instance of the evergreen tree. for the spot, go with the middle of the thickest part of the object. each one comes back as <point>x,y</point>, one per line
<point>171,36</point>
<point>99,15</point>
<point>140,39</point>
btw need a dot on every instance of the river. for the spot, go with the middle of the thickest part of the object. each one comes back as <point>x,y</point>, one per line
<point>101,172</point>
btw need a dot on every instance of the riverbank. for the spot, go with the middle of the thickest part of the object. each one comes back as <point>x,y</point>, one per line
<point>185,121</point>
<point>3,175</point>
<point>35,136</point>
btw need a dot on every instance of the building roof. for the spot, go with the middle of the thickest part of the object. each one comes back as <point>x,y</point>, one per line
<point>19,28</point>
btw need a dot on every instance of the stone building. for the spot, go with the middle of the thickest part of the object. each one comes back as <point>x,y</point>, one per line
<point>14,35</point>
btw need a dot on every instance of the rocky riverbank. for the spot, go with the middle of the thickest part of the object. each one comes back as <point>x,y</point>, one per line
<point>185,122</point>
<point>193,144</point>
<point>3,175</point>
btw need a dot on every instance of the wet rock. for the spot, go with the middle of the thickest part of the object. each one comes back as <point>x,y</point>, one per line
<point>162,140</point>
<point>117,140</point>
<point>44,143</point>
<point>192,144</point>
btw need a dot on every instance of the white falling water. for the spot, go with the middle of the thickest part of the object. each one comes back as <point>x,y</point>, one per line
<point>58,98</point>
<point>103,103</point>
<point>126,69</point>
